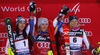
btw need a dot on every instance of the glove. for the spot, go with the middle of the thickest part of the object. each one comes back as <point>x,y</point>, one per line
<point>64,10</point>
<point>9,51</point>
<point>50,52</point>
<point>32,6</point>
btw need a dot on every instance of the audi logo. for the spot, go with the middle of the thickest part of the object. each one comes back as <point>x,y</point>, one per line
<point>84,20</point>
<point>2,49</point>
<point>3,35</point>
<point>32,48</point>
<point>84,47</point>
<point>43,45</point>
<point>81,20</point>
<point>62,47</point>
<point>66,20</point>
<point>38,9</point>
<point>89,33</point>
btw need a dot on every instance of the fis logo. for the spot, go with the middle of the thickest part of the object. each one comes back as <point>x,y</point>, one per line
<point>76,8</point>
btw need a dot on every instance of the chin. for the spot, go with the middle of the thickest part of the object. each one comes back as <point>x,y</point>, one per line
<point>43,30</point>
<point>21,29</point>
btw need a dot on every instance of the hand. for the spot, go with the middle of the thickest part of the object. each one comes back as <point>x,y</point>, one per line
<point>50,52</point>
<point>9,51</point>
<point>64,10</point>
<point>97,53</point>
<point>32,6</point>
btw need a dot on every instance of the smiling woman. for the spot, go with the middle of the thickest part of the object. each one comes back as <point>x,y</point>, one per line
<point>41,40</point>
<point>21,25</point>
<point>76,37</point>
<point>42,24</point>
<point>20,38</point>
<point>73,22</point>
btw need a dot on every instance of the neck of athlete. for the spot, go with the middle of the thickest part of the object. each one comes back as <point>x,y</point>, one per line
<point>75,28</point>
<point>21,31</point>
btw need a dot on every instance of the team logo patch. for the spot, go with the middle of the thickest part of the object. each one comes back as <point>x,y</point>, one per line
<point>44,21</point>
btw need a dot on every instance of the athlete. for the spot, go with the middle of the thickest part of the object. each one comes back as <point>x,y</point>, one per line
<point>77,35</point>
<point>41,40</point>
<point>20,38</point>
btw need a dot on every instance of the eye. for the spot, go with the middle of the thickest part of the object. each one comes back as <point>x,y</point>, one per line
<point>42,24</point>
<point>72,21</point>
<point>20,23</point>
<point>46,24</point>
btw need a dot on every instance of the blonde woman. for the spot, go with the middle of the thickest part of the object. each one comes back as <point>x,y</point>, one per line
<point>77,35</point>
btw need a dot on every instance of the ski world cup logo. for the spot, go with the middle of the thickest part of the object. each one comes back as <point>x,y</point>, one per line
<point>76,8</point>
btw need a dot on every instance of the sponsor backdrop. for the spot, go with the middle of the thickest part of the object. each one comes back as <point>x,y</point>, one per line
<point>87,11</point>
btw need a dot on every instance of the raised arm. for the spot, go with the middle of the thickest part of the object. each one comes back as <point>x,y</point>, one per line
<point>58,21</point>
<point>32,20</point>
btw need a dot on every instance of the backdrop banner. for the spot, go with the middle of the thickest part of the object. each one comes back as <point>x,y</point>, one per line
<point>87,11</point>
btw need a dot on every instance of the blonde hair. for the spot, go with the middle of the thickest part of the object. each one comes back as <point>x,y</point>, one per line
<point>38,30</point>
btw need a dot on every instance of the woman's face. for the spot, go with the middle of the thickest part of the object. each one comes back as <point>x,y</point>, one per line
<point>44,26</point>
<point>74,23</point>
<point>21,25</point>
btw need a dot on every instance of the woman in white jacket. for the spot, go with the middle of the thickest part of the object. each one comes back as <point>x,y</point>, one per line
<point>76,36</point>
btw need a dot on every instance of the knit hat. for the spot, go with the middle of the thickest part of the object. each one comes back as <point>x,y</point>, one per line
<point>20,19</point>
<point>72,17</point>
<point>42,20</point>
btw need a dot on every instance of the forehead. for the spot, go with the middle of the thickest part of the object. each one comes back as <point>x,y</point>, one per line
<point>22,22</point>
<point>74,20</point>
<point>44,23</point>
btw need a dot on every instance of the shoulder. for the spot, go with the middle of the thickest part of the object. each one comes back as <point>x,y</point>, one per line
<point>81,29</point>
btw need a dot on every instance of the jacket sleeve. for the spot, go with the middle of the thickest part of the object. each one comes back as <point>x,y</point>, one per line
<point>86,41</point>
<point>58,26</point>
<point>32,26</point>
